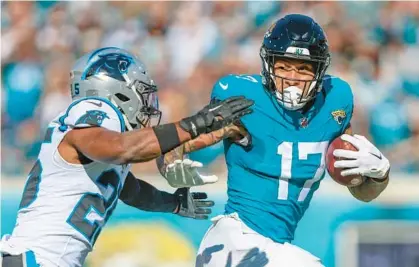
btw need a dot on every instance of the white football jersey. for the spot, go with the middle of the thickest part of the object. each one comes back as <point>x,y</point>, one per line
<point>64,206</point>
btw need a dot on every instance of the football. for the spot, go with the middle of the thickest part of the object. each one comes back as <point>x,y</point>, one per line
<point>352,180</point>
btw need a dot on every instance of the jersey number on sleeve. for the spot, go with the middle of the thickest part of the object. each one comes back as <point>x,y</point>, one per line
<point>285,149</point>
<point>247,77</point>
<point>93,210</point>
<point>75,89</point>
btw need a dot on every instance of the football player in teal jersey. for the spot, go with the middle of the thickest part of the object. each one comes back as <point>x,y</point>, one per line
<point>276,155</point>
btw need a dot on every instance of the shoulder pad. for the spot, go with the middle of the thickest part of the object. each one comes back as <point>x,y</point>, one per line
<point>92,112</point>
<point>338,90</point>
<point>340,100</point>
<point>235,85</point>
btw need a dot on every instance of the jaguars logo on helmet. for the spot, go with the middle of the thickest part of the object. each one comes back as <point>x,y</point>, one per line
<point>93,117</point>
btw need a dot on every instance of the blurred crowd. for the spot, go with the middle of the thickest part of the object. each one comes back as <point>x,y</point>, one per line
<point>187,46</point>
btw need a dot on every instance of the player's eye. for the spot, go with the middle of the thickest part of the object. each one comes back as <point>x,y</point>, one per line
<point>306,70</point>
<point>283,68</point>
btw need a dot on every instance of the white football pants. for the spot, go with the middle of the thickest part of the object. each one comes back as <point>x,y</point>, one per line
<point>230,243</point>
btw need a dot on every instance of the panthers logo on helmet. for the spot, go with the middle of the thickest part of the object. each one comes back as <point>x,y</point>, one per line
<point>93,117</point>
<point>113,65</point>
<point>339,115</point>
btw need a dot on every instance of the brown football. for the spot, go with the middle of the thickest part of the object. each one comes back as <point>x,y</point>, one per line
<point>352,180</point>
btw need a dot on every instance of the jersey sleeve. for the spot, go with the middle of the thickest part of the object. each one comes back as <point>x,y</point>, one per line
<point>347,120</point>
<point>92,112</point>
<point>223,88</point>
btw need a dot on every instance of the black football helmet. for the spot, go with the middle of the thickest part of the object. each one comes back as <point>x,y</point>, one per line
<point>299,37</point>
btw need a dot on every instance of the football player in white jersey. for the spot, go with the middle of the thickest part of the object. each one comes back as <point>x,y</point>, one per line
<point>83,167</point>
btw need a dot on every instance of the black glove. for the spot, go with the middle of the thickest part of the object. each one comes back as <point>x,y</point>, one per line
<point>193,205</point>
<point>217,115</point>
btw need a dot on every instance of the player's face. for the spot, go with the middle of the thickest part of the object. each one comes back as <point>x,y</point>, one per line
<point>293,72</point>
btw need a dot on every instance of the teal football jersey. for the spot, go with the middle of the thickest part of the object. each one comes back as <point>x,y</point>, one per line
<point>271,185</point>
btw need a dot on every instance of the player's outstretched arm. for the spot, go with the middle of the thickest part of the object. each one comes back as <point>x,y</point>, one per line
<point>202,141</point>
<point>142,145</point>
<point>107,146</point>
<point>142,195</point>
<point>369,162</point>
<point>180,172</point>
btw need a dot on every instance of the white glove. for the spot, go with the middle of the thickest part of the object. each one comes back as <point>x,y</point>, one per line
<point>184,173</point>
<point>367,161</point>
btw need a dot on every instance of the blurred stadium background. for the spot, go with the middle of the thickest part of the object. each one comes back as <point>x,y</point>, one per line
<point>187,46</point>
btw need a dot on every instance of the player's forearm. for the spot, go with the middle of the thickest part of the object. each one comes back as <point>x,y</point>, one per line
<point>130,147</point>
<point>143,145</point>
<point>204,140</point>
<point>144,196</point>
<point>370,189</point>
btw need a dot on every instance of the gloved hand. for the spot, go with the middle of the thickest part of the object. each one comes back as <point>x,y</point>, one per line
<point>193,204</point>
<point>184,173</point>
<point>367,161</point>
<point>217,115</point>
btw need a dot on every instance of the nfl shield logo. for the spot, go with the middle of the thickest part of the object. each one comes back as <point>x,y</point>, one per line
<point>304,122</point>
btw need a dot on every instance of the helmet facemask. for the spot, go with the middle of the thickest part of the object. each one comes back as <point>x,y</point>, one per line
<point>143,95</point>
<point>293,97</point>
<point>149,114</point>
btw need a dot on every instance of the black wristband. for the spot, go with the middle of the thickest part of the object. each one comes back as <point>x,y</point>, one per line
<point>167,136</point>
